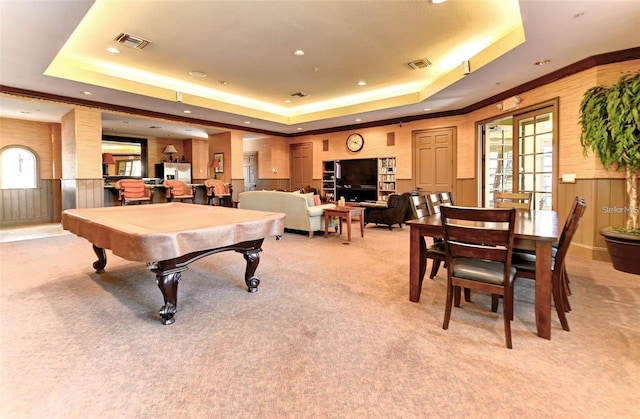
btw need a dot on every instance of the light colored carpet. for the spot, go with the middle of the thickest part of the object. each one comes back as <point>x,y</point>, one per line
<point>331,333</point>
<point>30,232</point>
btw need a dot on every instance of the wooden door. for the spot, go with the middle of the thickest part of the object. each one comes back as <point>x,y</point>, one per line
<point>433,160</point>
<point>301,165</point>
<point>250,169</point>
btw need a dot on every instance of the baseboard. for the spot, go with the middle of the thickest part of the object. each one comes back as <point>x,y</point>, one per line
<point>590,252</point>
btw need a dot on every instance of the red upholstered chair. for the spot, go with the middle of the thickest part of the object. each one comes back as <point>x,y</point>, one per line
<point>220,191</point>
<point>479,247</point>
<point>179,190</point>
<point>134,191</point>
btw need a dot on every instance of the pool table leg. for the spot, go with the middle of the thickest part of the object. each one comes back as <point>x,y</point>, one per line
<point>99,264</point>
<point>253,259</point>
<point>168,284</point>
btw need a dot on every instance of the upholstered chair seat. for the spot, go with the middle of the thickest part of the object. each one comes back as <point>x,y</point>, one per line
<point>488,271</point>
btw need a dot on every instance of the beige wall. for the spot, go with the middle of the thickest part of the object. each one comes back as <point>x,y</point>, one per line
<point>41,137</point>
<point>603,187</point>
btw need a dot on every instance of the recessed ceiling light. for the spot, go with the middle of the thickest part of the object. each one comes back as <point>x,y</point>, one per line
<point>86,92</point>
<point>298,52</point>
<point>199,74</point>
<point>437,1</point>
<point>247,122</point>
<point>358,119</point>
<point>113,50</point>
<point>542,62</point>
<point>299,128</point>
<point>186,111</point>
<point>427,109</point>
<point>287,101</point>
<point>362,83</point>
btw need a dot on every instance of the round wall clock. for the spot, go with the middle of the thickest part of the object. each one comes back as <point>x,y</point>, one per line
<point>355,142</point>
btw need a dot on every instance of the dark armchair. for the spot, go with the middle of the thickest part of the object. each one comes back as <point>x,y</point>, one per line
<point>398,211</point>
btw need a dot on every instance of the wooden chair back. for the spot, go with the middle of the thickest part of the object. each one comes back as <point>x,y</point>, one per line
<point>517,200</point>
<point>478,249</point>
<point>419,206</point>
<point>433,203</point>
<point>569,230</point>
<point>446,198</point>
<point>479,233</point>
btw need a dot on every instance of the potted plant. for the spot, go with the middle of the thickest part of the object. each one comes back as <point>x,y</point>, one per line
<point>610,121</point>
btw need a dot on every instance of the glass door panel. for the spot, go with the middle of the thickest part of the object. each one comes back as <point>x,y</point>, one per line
<point>525,163</point>
<point>535,148</point>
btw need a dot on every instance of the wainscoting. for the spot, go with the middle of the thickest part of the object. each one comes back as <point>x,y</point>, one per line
<point>31,206</point>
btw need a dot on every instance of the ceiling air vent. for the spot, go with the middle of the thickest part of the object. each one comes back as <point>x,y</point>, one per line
<point>131,41</point>
<point>299,95</point>
<point>417,64</point>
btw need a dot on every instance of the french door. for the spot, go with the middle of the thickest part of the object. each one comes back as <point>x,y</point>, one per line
<point>520,155</point>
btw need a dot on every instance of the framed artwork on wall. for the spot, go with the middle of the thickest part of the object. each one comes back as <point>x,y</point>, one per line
<point>218,163</point>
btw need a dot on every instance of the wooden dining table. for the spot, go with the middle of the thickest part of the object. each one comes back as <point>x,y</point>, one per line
<point>535,230</point>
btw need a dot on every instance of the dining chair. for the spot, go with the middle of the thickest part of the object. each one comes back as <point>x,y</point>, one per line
<point>478,248</point>
<point>525,263</point>
<point>435,252</point>
<point>419,206</point>
<point>134,191</point>
<point>446,198</point>
<point>218,190</point>
<point>179,190</point>
<point>518,200</point>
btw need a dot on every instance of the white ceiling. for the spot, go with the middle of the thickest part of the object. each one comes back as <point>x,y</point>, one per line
<point>250,44</point>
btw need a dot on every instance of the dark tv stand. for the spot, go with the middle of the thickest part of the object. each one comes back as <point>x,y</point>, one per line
<point>357,194</point>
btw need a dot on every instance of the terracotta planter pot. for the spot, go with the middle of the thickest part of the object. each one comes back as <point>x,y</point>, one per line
<point>624,250</point>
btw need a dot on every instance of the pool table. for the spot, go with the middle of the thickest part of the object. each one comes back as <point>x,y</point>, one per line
<point>170,236</point>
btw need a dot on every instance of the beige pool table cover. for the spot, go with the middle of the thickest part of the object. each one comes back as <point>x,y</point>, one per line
<point>151,233</point>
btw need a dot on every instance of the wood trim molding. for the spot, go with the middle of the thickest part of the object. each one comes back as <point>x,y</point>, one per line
<point>597,60</point>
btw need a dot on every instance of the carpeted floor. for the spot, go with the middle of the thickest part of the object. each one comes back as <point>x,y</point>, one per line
<point>330,333</point>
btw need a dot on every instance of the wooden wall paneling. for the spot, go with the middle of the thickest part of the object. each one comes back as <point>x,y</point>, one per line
<point>465,192</point>
<point>27,206</point>
<point>404,185</point>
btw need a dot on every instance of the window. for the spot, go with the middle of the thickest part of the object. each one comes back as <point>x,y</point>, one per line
<point>18,168</point>
<point>518,155</point>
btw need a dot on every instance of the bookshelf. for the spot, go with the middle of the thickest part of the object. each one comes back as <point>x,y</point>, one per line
<point>386,177</point>
<point>329,180</point>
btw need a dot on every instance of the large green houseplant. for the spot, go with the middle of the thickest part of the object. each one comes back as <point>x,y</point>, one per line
<point>610,120</point>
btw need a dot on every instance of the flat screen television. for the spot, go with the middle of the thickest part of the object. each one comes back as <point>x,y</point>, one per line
<point>357,179</point>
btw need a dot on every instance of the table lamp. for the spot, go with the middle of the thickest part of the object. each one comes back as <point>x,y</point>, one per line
<point>214,165</point>
<point>170,149</point>
<point>107,159</point>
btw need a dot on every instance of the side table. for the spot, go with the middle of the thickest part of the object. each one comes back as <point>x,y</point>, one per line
<point>344,213</point>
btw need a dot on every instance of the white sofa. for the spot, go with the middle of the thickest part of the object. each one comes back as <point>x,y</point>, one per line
<point>301,213</point>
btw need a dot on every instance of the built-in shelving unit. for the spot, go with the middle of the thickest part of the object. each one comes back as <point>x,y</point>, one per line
<point>329,180</point>
<point>359,180</point>
<point>386,177</point>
